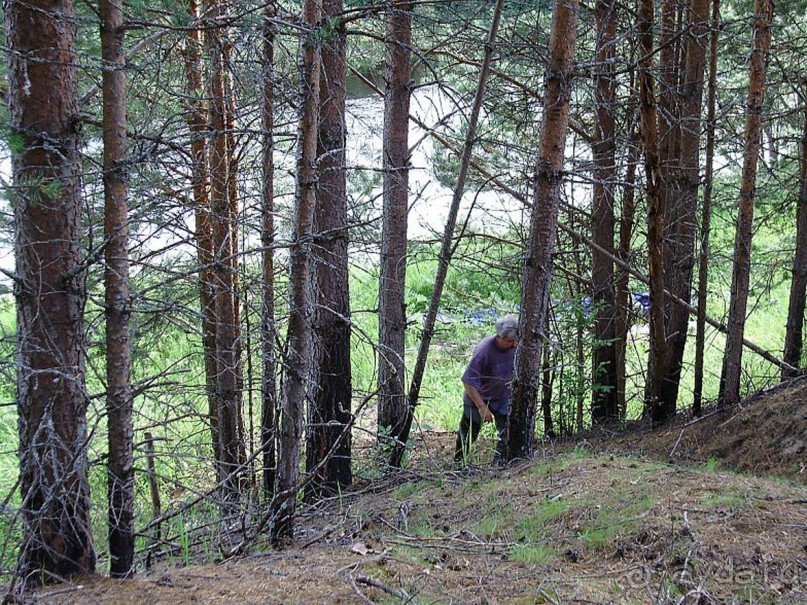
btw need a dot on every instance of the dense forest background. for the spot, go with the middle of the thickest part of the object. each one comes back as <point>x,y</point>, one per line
<point>248,248</point>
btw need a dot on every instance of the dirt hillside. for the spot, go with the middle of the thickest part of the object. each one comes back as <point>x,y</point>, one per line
<point>647,517</point>
<point>766,434</point>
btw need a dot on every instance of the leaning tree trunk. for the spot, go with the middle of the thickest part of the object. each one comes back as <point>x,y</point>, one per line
<point>794,339</point>
<point>50,291</point>
<point>392,279</point>
<point>706,213</point>
<point>120,464</point>
<point>520,437</point>
<point>604,399</point>
<point>448,244</point>
<point>268,430</point>
<point>328,446</point>
<point>299,330</point>
<point>657,370</point>
<point>740,278</point>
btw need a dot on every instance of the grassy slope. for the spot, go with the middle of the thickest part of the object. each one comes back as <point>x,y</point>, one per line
<point>598,528</point>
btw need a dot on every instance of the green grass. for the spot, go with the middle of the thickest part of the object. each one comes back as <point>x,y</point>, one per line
<point>491,524</point>
<point>8,450</point>
<point>729,499</point>
<point>529,528</point>
<point>533,554</point>
<point>597,537</point>
<point>534,526</point>
<point>618,514</point>
<point>597,523</point>
<point>423,530</point>
<point>410,488</point>
<point>712,465</point>
<point>561,462</point>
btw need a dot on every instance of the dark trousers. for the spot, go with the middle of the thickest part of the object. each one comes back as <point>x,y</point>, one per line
<point>470,425</point>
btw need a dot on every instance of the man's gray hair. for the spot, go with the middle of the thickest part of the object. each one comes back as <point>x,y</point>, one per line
<point>507,327</point>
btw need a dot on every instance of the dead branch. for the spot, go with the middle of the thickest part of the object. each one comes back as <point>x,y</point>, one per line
<point>358,591</point>
<point>395,592</point>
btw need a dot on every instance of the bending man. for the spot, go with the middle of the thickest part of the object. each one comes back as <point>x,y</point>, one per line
<point>487,387</point>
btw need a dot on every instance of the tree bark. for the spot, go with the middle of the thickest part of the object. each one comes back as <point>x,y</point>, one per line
<point>222,179</point>
<point>604,400</point>
<point>268,428</point>
<point>794,338</point>
<point>120,464</point>
<point>684,180</point>
<point>657,370</point>
<point>740,278</point>
<point>50,291</point>
<point>299,330</point>
<point>520,432</point>
<point>197,119</point>
<point>668,126</point>
<point>328,456</point>
<point>392,406</point>
<point>706,217</point>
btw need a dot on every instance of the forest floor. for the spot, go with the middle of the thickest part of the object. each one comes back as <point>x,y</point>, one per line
<point>702,511</point>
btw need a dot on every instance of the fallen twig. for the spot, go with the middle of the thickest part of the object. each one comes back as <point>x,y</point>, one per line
<point>358,591</point>
<point>395,592</point>
<point>547,597</point>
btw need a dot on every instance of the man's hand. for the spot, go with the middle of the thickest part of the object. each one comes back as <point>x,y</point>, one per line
<point>484,411</point>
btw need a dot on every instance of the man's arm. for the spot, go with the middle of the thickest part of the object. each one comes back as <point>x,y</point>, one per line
<point>476,397</point>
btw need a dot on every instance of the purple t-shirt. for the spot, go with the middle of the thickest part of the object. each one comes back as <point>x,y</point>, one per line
<point>491,371</point>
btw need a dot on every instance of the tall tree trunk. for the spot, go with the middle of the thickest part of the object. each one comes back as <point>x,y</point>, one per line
<point>681,228</point>
<point>448,245</point>
<point>328,450</point>
<point>268,327</point>
<point>667,139</point>
<point>299,330</point>
<point>794,339</point>
<point>120,464</point>
<point>233,339</point>
<point>50,291</point>
<point>668,116</point>
<point>657,371</point>
<point>604,398</point>
<point>706,216</point>
<point>197,119</point>
<point>624,297</point>
<point>392,406</point>
<point>520,437</point>
<point>740,277</point>
<point>230,428</point>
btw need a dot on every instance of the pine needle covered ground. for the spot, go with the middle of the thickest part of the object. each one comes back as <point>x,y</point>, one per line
<point>609,519</point>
